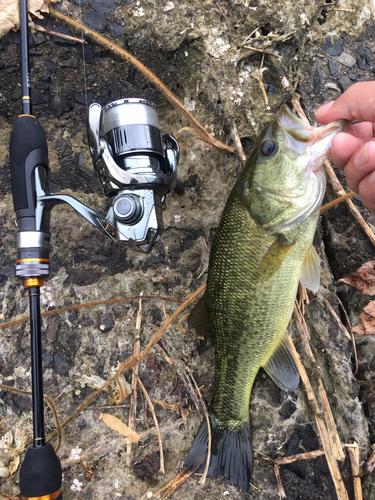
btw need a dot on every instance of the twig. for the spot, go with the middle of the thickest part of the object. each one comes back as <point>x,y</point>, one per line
<point>351,333</point>
<point>258,75</point>
<point>88,304</point>
<point>300,456</point>
<point>50,403</point>
<point>182,373</point>
<point>339,190</point>
<point>297,106</point>
<point>370,465</point>
<point>162,470</point>
<point>280,486</point>
<point>263,52</point>
<point>133,397</point>
<point>55,33</point>
<point>176,482</point>
<point>115,49</point>
<point>337,201</point>
<point>324,436</point>
<point>130,362</point>
<point>208,459</point>
<point>354,460</point>
<point>337,319</point>
<point>238,144</point>
<point>332,429</point>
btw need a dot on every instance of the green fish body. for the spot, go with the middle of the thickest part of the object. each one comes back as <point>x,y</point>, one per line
<point>262,249</point>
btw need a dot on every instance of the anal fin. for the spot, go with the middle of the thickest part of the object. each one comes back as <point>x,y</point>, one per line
<point>310,274</point>
<point>282,368</point>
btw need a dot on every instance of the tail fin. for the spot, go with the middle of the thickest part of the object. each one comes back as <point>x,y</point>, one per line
<point>231,453</point>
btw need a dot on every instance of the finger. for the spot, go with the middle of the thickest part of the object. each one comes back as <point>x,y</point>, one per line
<point>357,103</point>
<point>363,129</point>
<point>343,147</point>
<point>360,165</point>
<point>366,191</point>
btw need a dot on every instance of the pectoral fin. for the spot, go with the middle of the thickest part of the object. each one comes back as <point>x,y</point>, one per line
<point>273,259</point>
<point>282,369</point>
<point>310,274</point>
<point>198,318</point>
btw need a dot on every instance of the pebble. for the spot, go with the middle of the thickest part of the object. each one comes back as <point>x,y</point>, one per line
<point>345,83</point>
<point>4,472</point>
<point>332,86</point>
<point>59,105</point>
<point>271,90</point>
<point>62,363</point>
<point>115,29</point>
<point>106,324</point>
<point>333,69</point>
<point>94,21</point>
<point>100,260</point>
<point>347,60</point>
<point>317,80</point>
<point>86,52</point>
<point>353,76</point>
<point>81,99</point>
<point>38,97</point>
<point>361,61</point>
<point>356,46</point>
<point>333,49</point>
<point>50,66</point>
<point>70,63</point>
<point>11,69</point>
<point>103,6</point>
<point>114,92</point>
<point>369,60</point>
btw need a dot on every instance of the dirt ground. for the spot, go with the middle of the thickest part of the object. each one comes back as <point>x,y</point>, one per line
<point>206,52</point>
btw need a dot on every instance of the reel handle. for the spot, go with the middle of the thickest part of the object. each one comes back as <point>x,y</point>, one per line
<point>27,150</point>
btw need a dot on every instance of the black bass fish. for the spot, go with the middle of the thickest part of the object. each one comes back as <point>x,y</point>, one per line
<point>262,249</point>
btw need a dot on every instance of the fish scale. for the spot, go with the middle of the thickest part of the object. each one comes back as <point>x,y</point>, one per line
<point>261,250</point>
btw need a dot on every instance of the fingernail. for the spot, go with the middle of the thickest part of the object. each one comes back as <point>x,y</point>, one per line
<point>371,178</point>
<point>361,158</point>
<point>323,108</point>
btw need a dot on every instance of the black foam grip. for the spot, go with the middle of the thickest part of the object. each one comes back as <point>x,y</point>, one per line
<point>40,473</point>
<point>27,150</point>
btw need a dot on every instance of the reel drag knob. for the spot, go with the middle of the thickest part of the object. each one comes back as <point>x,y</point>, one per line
<point>128,208</point>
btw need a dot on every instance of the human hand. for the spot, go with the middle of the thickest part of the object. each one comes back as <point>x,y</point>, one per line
<point>353,151</point>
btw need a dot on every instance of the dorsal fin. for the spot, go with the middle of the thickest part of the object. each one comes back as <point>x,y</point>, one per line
<point>282,369</point>
<point>198,318</point>
<point>310,273</point>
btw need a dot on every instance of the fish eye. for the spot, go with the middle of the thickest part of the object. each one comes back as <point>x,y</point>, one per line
<point>269,147</point>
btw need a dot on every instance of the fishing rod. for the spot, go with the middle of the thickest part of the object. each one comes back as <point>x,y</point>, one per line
<point>137,168</point>
<point>40,473</point>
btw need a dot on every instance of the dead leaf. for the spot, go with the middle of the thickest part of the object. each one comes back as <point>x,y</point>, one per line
<point>10,13</point>
<point>367,319</point>
<point>14,465</point>
<point>118,425</point>
<point>363,279</point>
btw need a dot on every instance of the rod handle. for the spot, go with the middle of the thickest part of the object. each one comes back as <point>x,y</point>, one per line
<point>27,150</point>
<point>40,474</point>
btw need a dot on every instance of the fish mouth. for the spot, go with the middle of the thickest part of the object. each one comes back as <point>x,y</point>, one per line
<point>300,138</point>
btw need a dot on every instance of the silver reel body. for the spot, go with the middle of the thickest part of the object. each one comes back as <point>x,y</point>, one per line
<point>136,166</point>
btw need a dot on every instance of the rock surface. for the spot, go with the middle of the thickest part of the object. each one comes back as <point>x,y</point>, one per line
<point>197,49</point>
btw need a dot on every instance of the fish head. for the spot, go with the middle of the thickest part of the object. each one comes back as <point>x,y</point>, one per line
<point>283,181</point>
